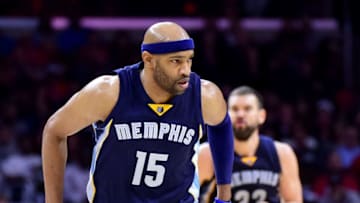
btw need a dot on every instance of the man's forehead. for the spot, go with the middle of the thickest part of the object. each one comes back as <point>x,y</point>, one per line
<point>246,98</point>
<point>181,54</point>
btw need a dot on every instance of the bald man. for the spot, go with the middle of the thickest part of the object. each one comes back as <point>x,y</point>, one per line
<point>147,119</point>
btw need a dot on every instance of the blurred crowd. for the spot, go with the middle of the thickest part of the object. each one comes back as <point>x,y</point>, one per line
<point>299,71</point>
<point>246,8</point>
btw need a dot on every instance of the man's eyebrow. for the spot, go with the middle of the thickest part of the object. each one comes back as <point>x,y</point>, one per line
<point>181,56</point>
<point>177,56</point>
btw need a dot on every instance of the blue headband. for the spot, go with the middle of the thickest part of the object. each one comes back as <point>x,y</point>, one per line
<point>168,47</point>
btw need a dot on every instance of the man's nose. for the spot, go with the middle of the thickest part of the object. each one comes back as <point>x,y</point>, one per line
<point>186,68</point>
<point>240,113</point>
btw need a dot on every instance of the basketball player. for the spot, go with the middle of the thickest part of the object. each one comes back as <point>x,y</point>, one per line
<point>147,120</point>
<point>264,170</point>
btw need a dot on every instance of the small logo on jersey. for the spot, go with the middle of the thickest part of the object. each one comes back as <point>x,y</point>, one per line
<point>160,109</point>
<point>249,160</point>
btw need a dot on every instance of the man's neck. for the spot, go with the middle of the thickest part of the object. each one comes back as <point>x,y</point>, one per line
<point>154,91</point>
<point>247,147</point>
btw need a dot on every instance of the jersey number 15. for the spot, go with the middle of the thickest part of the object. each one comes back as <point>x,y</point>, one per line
<point>152,166</point>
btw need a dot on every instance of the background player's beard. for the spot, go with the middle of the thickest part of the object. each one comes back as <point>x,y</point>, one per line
<point>244,133</point>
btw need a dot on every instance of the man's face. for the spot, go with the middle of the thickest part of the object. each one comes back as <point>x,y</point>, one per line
<point>245,115</point>
<point>172,71</point>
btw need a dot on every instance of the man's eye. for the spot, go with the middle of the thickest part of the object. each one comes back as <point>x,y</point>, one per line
<point>175,61</point>
<point>248,108</point>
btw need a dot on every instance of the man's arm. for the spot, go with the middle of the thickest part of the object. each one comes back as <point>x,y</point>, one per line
<point>93,103</point>
<point>290,184</point>
<point>206,168</point>
<point>219,136</point>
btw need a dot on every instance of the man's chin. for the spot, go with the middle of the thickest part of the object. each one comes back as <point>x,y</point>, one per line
<point>243,135</point>
<point>242,138</point>
<point>179,91</point>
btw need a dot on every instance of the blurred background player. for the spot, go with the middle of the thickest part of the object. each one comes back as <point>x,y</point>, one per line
<point>264,170</point>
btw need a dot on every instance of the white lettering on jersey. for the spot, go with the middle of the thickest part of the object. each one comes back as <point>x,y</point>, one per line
<point>174,132</point>
<point>135,129</point>
<point>164,129</point>
<point>152,130</point>
<point>189,135</point>
<point>123,131</point>
<point>247,177</point>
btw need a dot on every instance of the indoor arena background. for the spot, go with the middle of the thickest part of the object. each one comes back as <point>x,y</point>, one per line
<point>303,56</point>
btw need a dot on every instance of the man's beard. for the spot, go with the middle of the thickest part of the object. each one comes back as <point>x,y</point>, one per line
<point>165,82</point>
<point>245,133</point>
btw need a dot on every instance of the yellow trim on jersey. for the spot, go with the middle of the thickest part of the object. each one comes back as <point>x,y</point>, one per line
<point>200,132</point>
<point>249,160</point>
<point>160,109</point>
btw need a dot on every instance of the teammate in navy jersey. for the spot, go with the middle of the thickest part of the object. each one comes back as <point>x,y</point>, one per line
<point>264,170</point>
<point>148,120</point>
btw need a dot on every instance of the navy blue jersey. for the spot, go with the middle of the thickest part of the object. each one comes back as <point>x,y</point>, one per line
<point>256,179</point>
<point>147,152</point>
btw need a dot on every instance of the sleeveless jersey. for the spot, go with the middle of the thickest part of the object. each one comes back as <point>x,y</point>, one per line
<point>254,179</point>
<point>146,152</point>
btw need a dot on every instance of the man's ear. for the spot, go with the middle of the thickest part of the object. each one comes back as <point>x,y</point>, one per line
<point>147,58</point>
<point>262,116</point>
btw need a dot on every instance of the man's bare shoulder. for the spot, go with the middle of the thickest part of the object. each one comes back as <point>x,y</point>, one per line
<point>212,102</point>
<point>290,184</point>
<point>210,92</point>
<point>103,83</point>
<point>283,147</point>
<point>208,88</point>
<point>102,87</point>
<point>100,95</point>
<point>285,152</point>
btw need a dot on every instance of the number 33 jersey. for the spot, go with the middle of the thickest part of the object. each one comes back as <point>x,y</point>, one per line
<point>256,179</point>
<point>147,152</point>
